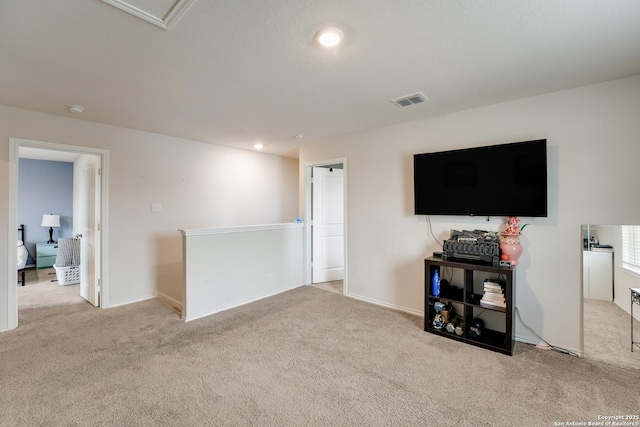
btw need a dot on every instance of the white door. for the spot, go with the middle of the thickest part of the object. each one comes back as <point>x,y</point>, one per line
<point>89,218</point>
<point>328,225</point>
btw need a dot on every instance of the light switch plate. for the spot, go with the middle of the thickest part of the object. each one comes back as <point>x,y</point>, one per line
<point>156,207</point>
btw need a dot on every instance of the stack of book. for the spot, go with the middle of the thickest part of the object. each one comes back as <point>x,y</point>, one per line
<point>493,294</point>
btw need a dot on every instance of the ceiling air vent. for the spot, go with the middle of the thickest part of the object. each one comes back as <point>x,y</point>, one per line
<point>407,100</point>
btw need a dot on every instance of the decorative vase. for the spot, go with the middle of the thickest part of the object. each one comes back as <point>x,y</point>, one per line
<point>511,247</point>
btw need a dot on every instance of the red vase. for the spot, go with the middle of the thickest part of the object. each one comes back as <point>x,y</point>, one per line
<point>510,246</point>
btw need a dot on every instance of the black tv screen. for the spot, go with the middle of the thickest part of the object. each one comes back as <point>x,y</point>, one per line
<point>496,180</point>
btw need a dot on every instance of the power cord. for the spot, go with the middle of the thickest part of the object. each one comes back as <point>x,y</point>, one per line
<point>431,231</point>
<point>552,347</point>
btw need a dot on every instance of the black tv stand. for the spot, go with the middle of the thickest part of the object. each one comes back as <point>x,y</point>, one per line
<point>467,281</point>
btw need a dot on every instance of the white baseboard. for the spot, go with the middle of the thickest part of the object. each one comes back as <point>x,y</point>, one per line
<point>386,304</point>
<point>421,314</point>
<point>636,310</point>
<point>131,302</point>
<point>537,341</point>
<point>171,302</point>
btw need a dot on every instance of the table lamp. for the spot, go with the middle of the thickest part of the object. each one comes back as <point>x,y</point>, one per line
<point>50,221</point>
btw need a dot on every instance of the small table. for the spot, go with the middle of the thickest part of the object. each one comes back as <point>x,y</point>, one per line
<point>46,255</point>
<point>635,299</point>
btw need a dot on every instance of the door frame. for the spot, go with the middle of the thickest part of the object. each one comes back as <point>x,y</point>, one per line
<point>14,155</point>
<point>308,250</point>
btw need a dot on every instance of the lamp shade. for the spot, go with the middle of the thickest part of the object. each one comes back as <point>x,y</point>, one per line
<point>50,220</point>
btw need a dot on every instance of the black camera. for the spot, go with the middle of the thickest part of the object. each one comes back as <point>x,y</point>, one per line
<point>476,328</point>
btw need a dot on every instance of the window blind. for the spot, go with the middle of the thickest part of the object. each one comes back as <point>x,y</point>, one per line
<point>631,245</point>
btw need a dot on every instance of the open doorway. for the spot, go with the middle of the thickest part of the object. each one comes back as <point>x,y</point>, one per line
<point>325,199</point>
<point>87,217</point>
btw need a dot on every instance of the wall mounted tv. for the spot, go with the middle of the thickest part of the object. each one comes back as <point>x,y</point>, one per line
<point>496,180</point>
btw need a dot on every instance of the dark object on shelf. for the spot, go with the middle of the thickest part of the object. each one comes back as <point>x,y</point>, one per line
<point>439,307</point>
<point>476,328</point>
<point>438,321</point>
<point>474,236</point>
<point>456,326</point>
<point>476,245</point>
<point>449,291</point>
<point>448,313</point>
<point>444,314</point>
<point>469,306</point>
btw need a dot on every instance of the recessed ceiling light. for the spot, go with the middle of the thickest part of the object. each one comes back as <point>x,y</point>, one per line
<point>298,135</point>
<point>329,37</point>
<point>258,146</point>
<point>75,109</point>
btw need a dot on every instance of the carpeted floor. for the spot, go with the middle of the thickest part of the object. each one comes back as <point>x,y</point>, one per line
<point>335,286</point>
<point>607,334</point>
<point>33,276</point>
<point>304,357</point>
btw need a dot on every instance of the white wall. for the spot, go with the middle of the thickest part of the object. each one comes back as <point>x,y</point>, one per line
<point>199,185</point>
<point>228,267</point>
<point>593,136</point>
<point>624,280</point>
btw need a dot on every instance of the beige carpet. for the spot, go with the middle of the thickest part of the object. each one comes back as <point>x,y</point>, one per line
<point>607,334</point>
<point>335,286</point>
<point>33,276</point>
<point>304,357</point>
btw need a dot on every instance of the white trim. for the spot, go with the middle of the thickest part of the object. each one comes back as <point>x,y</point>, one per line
<point>166,22</point>
<point>133,301</point>
<point>387,305</point>
<point>536,342</point>
<point>527,340</point>
<point>632,270</point>
<point>14,155</point>
<point>308,166</point>
<point>421,314</point>
<point>172,303</point>
<point>239,229</point>
<point>12,285</point>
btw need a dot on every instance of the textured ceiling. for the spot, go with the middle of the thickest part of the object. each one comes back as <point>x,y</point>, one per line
<point>237,72</point>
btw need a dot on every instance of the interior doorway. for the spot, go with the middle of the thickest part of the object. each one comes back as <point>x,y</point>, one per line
<point>89,200</point>
<point>325,226</point>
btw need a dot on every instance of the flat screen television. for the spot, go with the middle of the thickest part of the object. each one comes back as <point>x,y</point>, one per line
<point>497,180</point>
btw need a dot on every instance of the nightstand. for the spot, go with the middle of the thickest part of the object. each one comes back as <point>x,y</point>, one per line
<point>46,255</point>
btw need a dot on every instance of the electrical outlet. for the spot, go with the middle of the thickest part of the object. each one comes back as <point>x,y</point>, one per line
<point>269,277</point>
<point>156,207</point>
